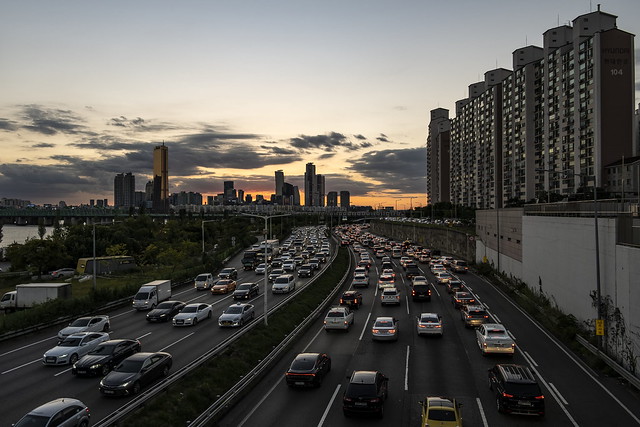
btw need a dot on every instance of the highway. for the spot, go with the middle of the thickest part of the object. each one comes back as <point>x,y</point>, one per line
<point>427,366</point>
<point>26,383</point>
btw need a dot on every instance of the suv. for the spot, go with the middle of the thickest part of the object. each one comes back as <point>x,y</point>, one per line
<point>459,266</point>
<point>284,283</point>
<point>351,299</point>
<point>517,390</point>
<point>338,318</point>
<point>421,291</point>
<point>365,393</point>
<point>412,271</point>
<point>473,315</point>
<point>228,273</point>
<point>60,412</point>
<point>390,296</point>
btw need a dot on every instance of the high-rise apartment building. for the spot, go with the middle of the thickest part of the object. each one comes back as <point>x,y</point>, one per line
<point>310,185</point>
<point>438,156</point>
<point>332,198</point>
<point>124,189</point>
<point>318,197</point>
<point>345,199</point>
<point>553,124</point>
<point>161,178</point>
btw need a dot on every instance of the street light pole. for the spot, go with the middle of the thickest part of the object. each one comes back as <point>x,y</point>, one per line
<point>94,257</point>
<point>203,221</point>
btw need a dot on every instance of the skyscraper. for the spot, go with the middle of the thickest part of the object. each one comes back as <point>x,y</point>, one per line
<point>318,197</point>
<point>161,178</point>
<point>310,183</point>
<point>124,188</point>
<point>229,191</point>
<point>279,182</point>
<point>332,198</point>
<point>345,199</point>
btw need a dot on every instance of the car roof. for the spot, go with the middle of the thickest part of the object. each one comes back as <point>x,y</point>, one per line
<point>384,319</point>
<point>241,304</point>
<point>307,356</point>
<point>351,292</point>
<point>516,373</point>
<point>144,355</point>
<point>495,326</point>
<point>51,408</point>
<point>442,402</point>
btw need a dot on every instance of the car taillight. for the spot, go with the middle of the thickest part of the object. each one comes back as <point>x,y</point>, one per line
<point>506,394</point>
<point>347,399</point>
<point>541,397</point>
<point>413,293</point>
<point>355,300</point>
<point>375,400</point>
<point>375,331</point>
<point>341,301</point>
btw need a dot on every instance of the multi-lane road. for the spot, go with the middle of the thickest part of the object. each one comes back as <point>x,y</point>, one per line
<point>426,366</point>
<point>25,383</point>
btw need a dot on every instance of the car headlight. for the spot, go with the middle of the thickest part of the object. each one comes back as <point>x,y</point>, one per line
<point>96,366</point>
<point>125,385</point>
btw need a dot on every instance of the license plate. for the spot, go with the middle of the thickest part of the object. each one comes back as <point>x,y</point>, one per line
<point>524,403</point>
<point>107,391</point>
<point>81,371</point>
<point>51,360</point>
<point>361,403</point>
<point>299,383</point>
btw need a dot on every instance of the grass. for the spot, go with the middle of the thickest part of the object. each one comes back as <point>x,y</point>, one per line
<point>189,397</point>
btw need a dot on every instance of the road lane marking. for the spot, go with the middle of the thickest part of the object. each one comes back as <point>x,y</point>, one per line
<point>176,342</point>
<point>62,372</point>
<point>326,411</point>
<point>495,316</point>
<point>406,371</point>
<point>364,327</point>
<point>304,350</point>
<point>511,335</point>
<point>558,393</point>
<point>255,408</point>
<point>27,346</point>
<point>529,358</point>
<point>572,358</point>
<point>436,289</point>
<point>20,366</point>
<point>407,300</point>
<point>482,415</point>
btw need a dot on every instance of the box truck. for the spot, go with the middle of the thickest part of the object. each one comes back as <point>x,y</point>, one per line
<point>151,294</point>
<point>29,294</point>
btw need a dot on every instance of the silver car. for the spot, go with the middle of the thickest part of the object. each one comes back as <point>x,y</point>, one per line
<point>63,412</point>
<point>73,348</point>
<point>385,329</point>
<point>237,315</point>
<point>85,324</point>
<point>191,314</point>
<point>429,324</point>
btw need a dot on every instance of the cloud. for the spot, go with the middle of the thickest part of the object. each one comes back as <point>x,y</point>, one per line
<point>43,145</point>
<point>49,121</point>
<point>402,170</point>
<point>328,142</point>
<point>122,121</point>
<point>383,138</point>
<point>8,125</point>
<point>359,136</point>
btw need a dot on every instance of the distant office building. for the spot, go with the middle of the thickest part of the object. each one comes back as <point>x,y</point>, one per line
<point>279,183</point>
<point>124,189</point>
<point>140,198</point>
<point>332,198</point>
<point>240,196</point>
<point>259,198</point>
<point>345,199</point>
<point>14,203</point>
<point>318,197</point>
<point>148,190</point>
<point>248,198</point>
<point>296,195</point>
<point>186,198</point>
<point>552,125</point>
<point>210,200</point>
<point>310,184</point>
<point>161,178</point>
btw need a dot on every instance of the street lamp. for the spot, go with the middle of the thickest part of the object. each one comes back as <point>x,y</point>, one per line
<point>266,232</point>
<point>549,189</point>
<point>203,221</point>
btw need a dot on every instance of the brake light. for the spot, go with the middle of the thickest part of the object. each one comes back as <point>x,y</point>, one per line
<point>341,301</point>
<point>355,301</point>
<point>392,331</point>
<point>375,400</point>
<point>506,394</point>
<point>375,331</point>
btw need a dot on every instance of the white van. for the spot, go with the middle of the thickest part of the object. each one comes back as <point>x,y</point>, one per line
<point>284,283</point>
<point>204,281</point>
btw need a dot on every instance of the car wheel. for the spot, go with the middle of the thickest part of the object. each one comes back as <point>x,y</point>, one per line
<point>209,315</point>
<point>241,322</point>
<point>153,306</point>
<point>253,314</point>
<point>195,321</point>
<point>499,404</point>
<point>73,359</point>
<point>84,423</point>
<point>135,389</point>
<point>105,369</point>
<point>329,366</point>
<point>106,327</point>
<point>165,371</point>
<point>381,413</point>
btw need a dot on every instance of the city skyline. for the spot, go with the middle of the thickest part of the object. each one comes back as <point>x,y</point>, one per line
<point>262,89</point>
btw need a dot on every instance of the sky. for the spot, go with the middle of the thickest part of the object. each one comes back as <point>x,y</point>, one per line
<point>239,89</point>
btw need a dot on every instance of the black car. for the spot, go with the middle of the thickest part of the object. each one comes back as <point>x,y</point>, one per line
<point>135,372</point>
<point>351,299</point>
<point>454,286</point>
<point>386,266</point>
<point>421,292</point>
<point>308,369</point>
<point>246,291</point>
<point>228,273</point>
<point>365,393</point>
<point>516,389</point>
<point>107,355</point>
<point>412,270</point>
<point>305,271</point>
<point>165,311</point>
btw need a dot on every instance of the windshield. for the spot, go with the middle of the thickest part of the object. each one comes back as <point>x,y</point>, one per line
<point>33,421</point>
<point>84,321</point>
<point>164,305</point>
<point>234,310</point>
<point>201,278</point>
<point>70,342</point>
<point>429,319</point>
<point>360,390</point>
<point>442,415</point>
<point>130,366</point>
<point>142,295</point>
<point>335,314</point>
<point>104,349</point>
<point>190,309</point>
<point>244,287</point>
<point>303,364</point>
<point>383,324</point>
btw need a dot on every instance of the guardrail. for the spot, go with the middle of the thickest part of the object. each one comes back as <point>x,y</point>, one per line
<point>235,392</point>
<point>141,399</point>
<point>632,379</point>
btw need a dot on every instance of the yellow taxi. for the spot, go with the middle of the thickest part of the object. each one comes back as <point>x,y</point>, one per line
<point>441,412</point>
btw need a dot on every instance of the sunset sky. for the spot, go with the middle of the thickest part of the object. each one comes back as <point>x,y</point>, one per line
<point>240,89</point>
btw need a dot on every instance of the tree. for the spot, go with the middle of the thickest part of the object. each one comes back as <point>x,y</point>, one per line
<point>42,230</point>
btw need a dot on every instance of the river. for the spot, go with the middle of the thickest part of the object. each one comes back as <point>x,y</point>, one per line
<point>19,233</point>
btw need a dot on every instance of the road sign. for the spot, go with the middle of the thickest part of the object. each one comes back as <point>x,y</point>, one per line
<point>600,327</point>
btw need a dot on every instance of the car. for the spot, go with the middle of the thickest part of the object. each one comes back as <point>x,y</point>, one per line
<point>385,329</point>
<point>308,370</point>
<point>459,266</point>
<point>390,296</point>
<point>473,315</point>
<point>339,318</point>
<point>442,277</point>
<point>63,272</point>
<point>352,299</point>
<point>429,324</point>
<point>102,359</point>
<point>412,271</point>
<point>494,338</point>
<point>224,286</point>
<point>228,273</point>
<point>360,280</point>
<point>423,258</point>
<point>305,270</point>
<point>64,411</point>
<point>165,311</point>
<point>289,266</point>
<point>315,263</point>
<point>446,260</point>
<point>517,390</point>
<point>246,291</point>
<point>441,411</point>
<point>203,281</point>
<point>135,372</point>
<point>461,298</point>
<point>284,283</point>
<point>262,268</point>
<point>192,313</point>
<point>85,324</point>
<point>276,272</point>
<point>386,281</point>
<point>386,265</point>
<point>404,260</point>
<point>365,393</point>
<point>366,263</point>
<point>360,270</point>
<point>437,267</point>
<point>421,291</point>
<point>237,315</point>
<point>455,285</point>
<point>419,278</point>
<point>73,347</point>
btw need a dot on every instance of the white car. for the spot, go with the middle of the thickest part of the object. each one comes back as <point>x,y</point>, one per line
<point>63,272</point>
<point>385,329</point>
<point>73,347</point>
<point>494,338</point>
<point>390,296</point>
<point>437,267</point>
<point>442,277</point>
<point>338,318</point>
<point>237,315</point>
<point>283,284</point>
<point>191,314</point>
<point>386,281</point>
<point>204,281</point>
<point>360,280</point>
<point>85,324</point>
<point>262,268</point>
<point>429,324</point>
